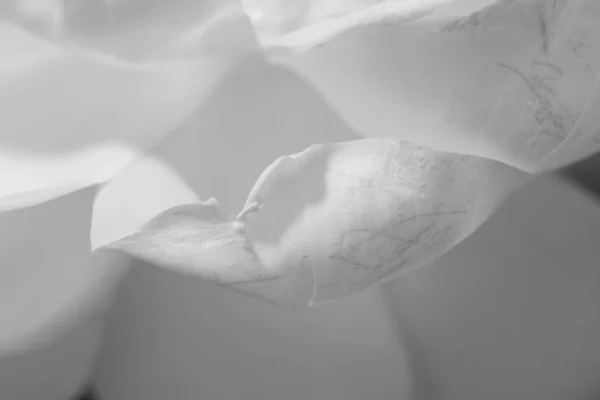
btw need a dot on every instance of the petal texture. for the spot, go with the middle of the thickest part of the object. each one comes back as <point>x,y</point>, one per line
<point>324,223</point>
<point>507,80</point>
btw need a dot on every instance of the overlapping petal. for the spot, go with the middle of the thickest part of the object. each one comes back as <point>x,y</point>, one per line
<point>318,225</point>
<point>470,91</point>
<point>302,25</point>
<point>71,117</point>
<point>507,80</point>
<point>136,29</point>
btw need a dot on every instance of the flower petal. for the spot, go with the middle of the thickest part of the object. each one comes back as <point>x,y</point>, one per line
<point>509,82</point>
<point>329,221</point>
<point>303,25</point>
<point>217,155</point>
<point>356,212</point>
<point>70,118</point>
<point>135,29</point>
<point>150,212</point>
<point>145,189</point>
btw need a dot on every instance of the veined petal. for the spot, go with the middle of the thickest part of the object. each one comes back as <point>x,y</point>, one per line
<point>70,118</point>
<point>324,223</point>
<point>584,138</point>
<point>507,80</point>
<point>299,26</point>
<point>354,213</point>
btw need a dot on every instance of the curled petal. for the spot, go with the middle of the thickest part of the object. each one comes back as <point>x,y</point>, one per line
<point>506,80</point>
<point>303,25</point>
<point>324,223</point>
<point>356,212</point>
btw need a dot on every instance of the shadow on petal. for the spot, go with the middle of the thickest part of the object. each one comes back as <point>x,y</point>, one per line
<point>71,119</point>
<point>258,114</point>
<point>261,113</point>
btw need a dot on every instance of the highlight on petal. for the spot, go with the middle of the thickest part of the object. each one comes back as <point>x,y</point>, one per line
<point>71,118</point>
<point>134,29</point>
<point>318,225</point>
<point>303,25</point>
<point>145,189</point>
<point>506,80</point>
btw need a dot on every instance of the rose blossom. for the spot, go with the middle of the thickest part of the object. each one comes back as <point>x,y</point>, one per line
<point>460,100</point>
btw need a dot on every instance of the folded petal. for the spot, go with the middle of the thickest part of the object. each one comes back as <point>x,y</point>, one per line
<point>71,118</point>
<point>507,80</point>
<point>303,25</point>
<point>356,212</point>
<point>320,224</point>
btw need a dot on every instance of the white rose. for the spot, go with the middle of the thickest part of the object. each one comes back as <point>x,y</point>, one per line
<point>461,101</point>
